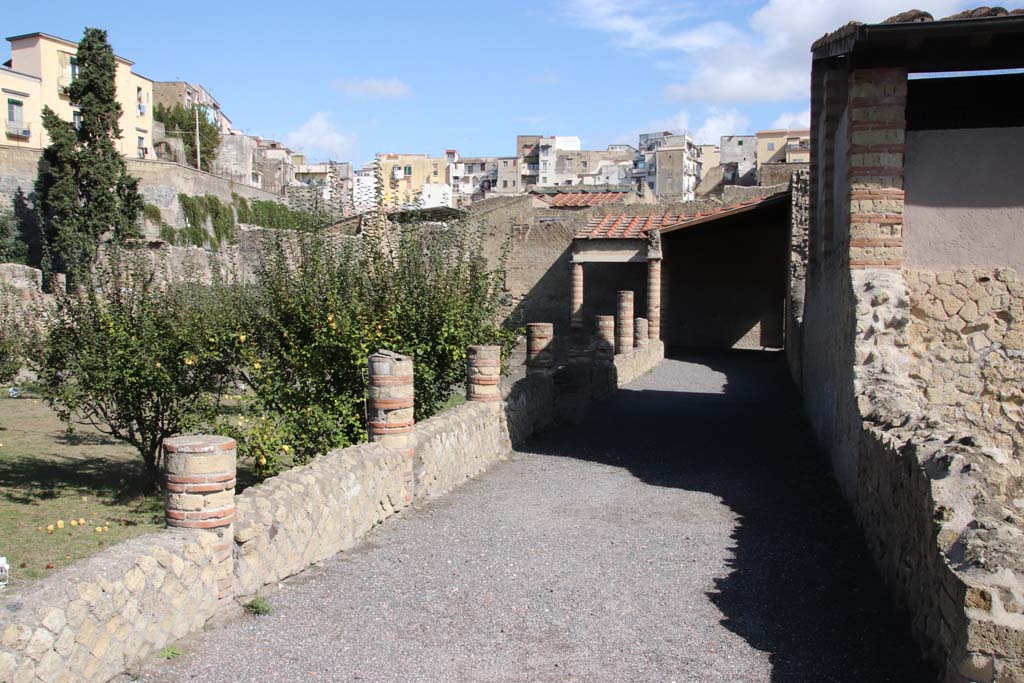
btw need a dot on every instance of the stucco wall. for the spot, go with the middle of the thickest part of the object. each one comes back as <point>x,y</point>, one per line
<point>963,202</point>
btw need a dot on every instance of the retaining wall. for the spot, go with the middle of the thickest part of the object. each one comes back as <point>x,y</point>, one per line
<point>96,619</point>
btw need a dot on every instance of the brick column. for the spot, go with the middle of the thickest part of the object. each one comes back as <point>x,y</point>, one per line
<point>640,333</point>
<point>576,308</point>
<point>483,373</point>
<point>199,493</point>
<point>389,407</point>
<point>877,132</point>
<point>605,332</point>
<point>539,357</point>
<point>654,298</point>
<point>624,322</point>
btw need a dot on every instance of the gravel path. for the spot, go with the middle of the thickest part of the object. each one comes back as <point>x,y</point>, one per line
<point>688,531</point>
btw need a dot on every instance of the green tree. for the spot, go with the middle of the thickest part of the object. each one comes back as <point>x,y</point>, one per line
<point>84,191</point>
<point>13,248</point>
<point>180,122</point>
<point>138,355</point>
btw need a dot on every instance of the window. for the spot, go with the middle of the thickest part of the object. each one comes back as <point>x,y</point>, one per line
<point>543,165</point>
<point>76,118</point>
<point>74,67</point>
<point>15,111</point>
<point>568,164</point>
<point>142,147</point>
<point>504,184</point>
<point>583,163</point>
<point>435,170</point>
<point>469,168</point>
<point>513,183</point>
<point>544,180</point>
<point>771,146</point>
<point>408,170</point>
<point>740,143</point>
<point>504,164</point>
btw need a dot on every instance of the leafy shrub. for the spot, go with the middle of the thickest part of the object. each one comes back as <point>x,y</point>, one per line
<point>258,606</point>
<point>138,359</point>
<point>13,336</point>
<point>13,248</point>
<point>267,214</point>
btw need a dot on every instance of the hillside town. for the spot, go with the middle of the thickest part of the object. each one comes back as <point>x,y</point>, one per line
<point>730,402</point>
<point>659,166</point>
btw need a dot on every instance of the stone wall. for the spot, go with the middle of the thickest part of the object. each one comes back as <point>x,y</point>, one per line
<point>97,618</point>
<point>911,381</point>
<point>799,228</point>
<point>778,173</point>
<point>967,350</point>
<point>160,182</point>
<point>310,513</point>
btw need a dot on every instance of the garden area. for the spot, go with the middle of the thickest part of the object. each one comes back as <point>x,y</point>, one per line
<point>122,352</point>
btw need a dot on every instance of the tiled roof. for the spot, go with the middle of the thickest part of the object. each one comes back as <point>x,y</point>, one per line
<point>568,200</point>
<point>913,17</point>
<point>634,227</point>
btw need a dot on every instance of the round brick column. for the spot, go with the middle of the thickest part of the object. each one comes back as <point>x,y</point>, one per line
<point>624,322</point>
<point>199,493</point>
<point>539,357</point>
<point>654,298</point>
<point>576,309</point>
<point>389,416</point>
<point>640,333</point>
<point>483,373</point>
<point>605,343</point>
<point>389,408</point>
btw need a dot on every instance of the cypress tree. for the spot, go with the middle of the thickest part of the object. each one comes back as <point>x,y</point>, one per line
<point>84,191</point>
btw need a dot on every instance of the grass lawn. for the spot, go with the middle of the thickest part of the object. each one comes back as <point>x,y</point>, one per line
<point>47,474</point>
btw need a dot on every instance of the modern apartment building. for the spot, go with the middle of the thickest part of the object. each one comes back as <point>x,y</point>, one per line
<point>680,157</point>
<point>742,151</point>
<point>170,93</point>
<point>783,146</point>
<point>41,67</point>
<point>406,174</point>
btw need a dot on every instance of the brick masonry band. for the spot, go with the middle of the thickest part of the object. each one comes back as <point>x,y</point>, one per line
<point>483,373</point>
<point>539,356</point>
<point>624,322</point>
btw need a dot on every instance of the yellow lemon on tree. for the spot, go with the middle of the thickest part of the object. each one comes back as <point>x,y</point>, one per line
<point>241,338</point>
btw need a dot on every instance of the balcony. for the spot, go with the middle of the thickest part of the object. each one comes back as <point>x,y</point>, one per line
<point>18,129</point>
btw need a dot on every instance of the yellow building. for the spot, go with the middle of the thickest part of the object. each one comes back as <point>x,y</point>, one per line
<point>778,146</point>
<point>23,109</point>
<point>405,176</point>
<point>52,62</point>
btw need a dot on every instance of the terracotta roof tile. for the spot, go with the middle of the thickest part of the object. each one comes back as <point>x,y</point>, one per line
<point>567,200</point>
<point>636,226</point>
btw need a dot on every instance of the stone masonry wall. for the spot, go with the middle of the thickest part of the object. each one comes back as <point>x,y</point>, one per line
<point>310,513</point>
<point>967,350</point>
<point>95,619</point>
<point>913,420</point>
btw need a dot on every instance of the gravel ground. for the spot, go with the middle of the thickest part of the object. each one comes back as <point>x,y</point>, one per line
<point>688,531</point>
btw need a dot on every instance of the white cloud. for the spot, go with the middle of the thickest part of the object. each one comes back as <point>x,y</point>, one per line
<point>372,88</point>
<point>545,77</point>
<point>320,139</point>
<point>767,59</point>
<point>651,25</point>
<point>717,123</point>
<point>793,120</point>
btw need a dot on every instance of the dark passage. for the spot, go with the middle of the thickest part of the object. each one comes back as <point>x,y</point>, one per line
<point>687,531</point>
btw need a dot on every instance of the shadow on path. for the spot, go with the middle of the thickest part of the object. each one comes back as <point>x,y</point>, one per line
<point>801,584</point>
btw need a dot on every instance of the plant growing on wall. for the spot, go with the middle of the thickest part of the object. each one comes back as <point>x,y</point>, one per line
<point>13,248</point>
<point>180,122</point>
<point>83,191</point>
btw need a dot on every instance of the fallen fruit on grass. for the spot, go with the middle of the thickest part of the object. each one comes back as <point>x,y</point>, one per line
<point>49,565</point>
<point>85,499</point>
<point>81,521</point>
<point>74,522</point>
<point>60,523</point>
<point>49,528</point>
<point>99,529</point>
<point>106,528</point>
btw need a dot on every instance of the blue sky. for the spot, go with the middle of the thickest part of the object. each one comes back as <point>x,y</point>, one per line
<point>344,80</point>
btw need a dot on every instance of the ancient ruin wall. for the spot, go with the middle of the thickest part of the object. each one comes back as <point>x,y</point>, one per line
<point>967,351</point>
